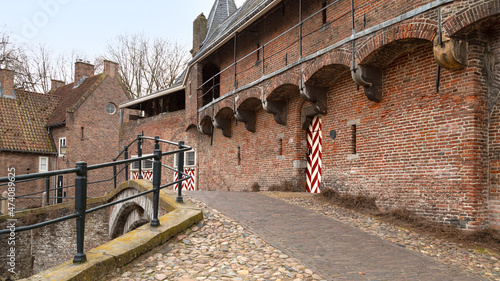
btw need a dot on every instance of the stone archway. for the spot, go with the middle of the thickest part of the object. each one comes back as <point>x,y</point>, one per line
<point>127,216</point>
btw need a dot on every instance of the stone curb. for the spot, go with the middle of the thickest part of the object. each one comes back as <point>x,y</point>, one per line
<point>122,250</point>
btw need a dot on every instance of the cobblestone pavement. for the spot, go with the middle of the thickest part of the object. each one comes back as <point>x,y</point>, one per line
<point>331,248</point>
<point>478,262</point>
<point>223,249</point>
<point>219,248</point>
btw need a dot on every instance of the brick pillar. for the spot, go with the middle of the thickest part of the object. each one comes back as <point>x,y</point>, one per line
<point>83,69</point>
<point>56,84</point>
<point>7,83</point>
<point>111,68</point>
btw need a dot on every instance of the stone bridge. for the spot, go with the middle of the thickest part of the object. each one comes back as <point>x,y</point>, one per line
<point>129,215</point>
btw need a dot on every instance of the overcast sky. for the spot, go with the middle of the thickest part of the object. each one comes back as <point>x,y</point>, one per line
<point>88,25</point>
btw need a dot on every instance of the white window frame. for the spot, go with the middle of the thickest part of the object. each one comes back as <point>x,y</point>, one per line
<point>185,158</point>
<point>114,107</point>
<point>40,164</point>
<point>61,142</point>
<point>143,163</point>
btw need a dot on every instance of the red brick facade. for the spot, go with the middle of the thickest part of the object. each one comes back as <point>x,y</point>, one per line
<point>433,152</point>
<point>92,135</point>
<point>77,113</point>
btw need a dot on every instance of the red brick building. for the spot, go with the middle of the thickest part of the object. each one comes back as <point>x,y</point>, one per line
<point>82,116</point>
<point>399,100</point>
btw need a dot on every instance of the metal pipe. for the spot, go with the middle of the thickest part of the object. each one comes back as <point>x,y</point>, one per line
<point>139,155</point>
<point>80,206</point>
<point>180,171</point>
<point>126,164</point>
<point>156,182</point>
<point>440,41</point>
<point>47,190</point>
<point>235,63</point>
<point>300,28</point>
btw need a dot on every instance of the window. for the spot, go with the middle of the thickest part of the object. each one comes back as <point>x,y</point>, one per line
<point>353,134</point>
<point>43,164</point>
<point>62,142</point>
<point>110,108</point>
<point>189,159</point>
<point>146,164</point>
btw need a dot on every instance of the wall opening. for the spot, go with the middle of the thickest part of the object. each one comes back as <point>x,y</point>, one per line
<point>211,83</point>
<point>353,139</point>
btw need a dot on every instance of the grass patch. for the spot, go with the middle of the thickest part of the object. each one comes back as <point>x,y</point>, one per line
<point>285,186</point>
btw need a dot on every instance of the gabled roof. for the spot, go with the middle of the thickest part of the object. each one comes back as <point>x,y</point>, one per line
<point>23,119</point>
<point>72,96</point>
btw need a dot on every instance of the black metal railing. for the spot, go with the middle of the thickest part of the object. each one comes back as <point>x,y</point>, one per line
<point>81,171</point>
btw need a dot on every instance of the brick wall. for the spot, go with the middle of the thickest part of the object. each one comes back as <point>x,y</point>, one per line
<point>100,136</point>
<point>417,148</point>
<point>492,74</point>
<point>25,163</point>
<point>49,246</point>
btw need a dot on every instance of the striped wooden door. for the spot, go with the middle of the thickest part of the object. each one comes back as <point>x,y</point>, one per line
<point>187,184</point>
<point>314,139</point>
<point>147,175</point>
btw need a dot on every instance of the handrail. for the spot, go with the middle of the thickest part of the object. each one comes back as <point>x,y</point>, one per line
<point>81,170</point>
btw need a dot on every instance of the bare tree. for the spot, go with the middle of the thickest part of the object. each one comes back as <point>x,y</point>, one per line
<point>145,65</point>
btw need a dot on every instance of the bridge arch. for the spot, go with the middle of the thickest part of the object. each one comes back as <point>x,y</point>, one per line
<point>127,216</point>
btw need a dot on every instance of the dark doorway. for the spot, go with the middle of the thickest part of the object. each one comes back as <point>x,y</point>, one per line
<point>211,83</point>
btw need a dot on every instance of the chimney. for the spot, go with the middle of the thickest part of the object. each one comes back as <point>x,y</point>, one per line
<point>7,83</point>
<point>83,69</point>
<point>56,84</point>
<point>110,68</point>
<point>200,30</point>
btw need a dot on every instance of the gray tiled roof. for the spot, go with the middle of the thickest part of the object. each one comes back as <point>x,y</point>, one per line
<point>221,10</point>
<point>231,24</point>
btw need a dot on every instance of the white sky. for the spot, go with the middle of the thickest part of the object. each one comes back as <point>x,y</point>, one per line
<point>88,25</point>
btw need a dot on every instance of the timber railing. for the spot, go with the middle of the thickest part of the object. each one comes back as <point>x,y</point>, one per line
<point>81,185</point>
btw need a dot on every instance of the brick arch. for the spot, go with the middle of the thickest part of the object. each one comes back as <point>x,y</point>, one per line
<point>190,126</point>
<point>455,24</point>
<point>252,93</point>
<point>275,85</point>
<point>206,112</point>
<point>225,112</point>
<point>402,35</point>
<point>337,57</point>
<point>225,103</point>
<point>127,215</point>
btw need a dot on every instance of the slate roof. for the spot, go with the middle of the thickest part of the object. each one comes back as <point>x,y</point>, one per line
<point>231,24</point>
<point>23,119</point>
<point>220,11</point>
<point>72,97</point>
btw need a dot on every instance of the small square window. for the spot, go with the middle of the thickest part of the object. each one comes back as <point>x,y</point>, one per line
<point>62,143</point>
<point>145,164</point>
<point>43,164</point>
<point>189,159</point>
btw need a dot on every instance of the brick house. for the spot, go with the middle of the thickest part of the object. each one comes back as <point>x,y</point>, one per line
<point>82,116</point>
<point>386,98</point>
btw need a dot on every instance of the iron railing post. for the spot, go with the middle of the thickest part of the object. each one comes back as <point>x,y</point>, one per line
<point>139,154</point>
<point>47,190</point>
<point>156,181</point>
<point>114,173</point>
<point>180,170</point>
<point>80,206</point>
<point>126,165</point>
